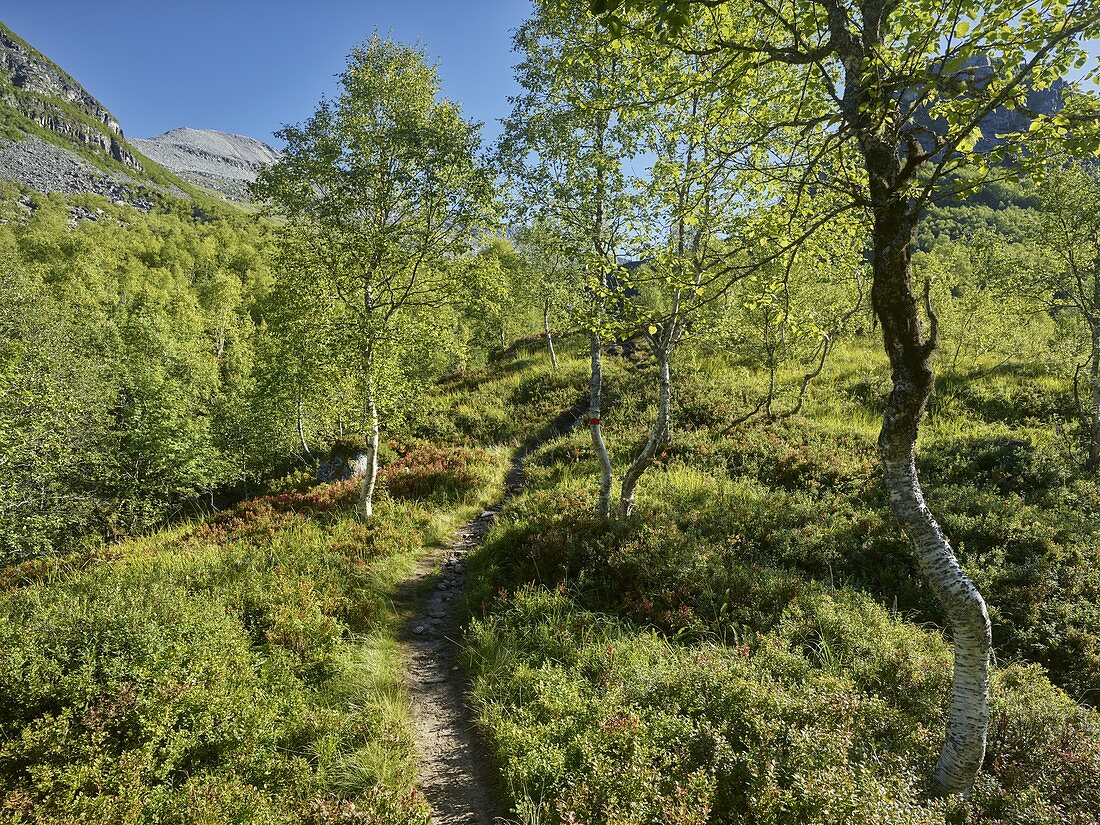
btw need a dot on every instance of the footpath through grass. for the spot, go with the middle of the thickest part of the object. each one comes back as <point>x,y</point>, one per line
<point>241,671</point>
<point>247,670</point>
<point>752,646</point>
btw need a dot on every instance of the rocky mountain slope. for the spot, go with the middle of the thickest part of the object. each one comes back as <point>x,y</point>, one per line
<point>215,160</point>
<point>43,93</point>
<point>55,136</point>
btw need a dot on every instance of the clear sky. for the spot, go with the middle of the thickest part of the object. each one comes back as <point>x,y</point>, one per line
<point>248,66</point>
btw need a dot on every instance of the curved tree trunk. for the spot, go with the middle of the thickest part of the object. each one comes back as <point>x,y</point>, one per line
<point>603,250</point>
<point>910,353</point>
<point>549,337</point>
<point>595,389</point>
<point>370,477</point>
<point>967,724</point>
<point>302,432</point>
<point>658,436</point>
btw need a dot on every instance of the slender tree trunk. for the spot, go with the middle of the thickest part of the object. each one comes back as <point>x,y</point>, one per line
<point>549,337</point>
<point>595,386</point>
<point>658,436</point>
<point>301,430</point>
<point>1093,461</point>
<point>910,353</point>
<point>595,389</point>
<point>772,369</point>
<point>370,477</point>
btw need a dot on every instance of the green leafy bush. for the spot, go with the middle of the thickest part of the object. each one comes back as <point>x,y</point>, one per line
<point>241,671</point>
<point>833,716</point>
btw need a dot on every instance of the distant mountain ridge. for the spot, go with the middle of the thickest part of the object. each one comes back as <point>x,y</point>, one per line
<point>55,136</point>
<point>975,74</point>
<point>221,161</point>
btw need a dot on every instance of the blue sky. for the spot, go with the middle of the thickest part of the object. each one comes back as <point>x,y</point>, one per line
<point>247,66</point>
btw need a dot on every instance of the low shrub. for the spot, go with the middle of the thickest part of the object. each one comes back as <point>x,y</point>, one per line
<point>834,716</point>
<point>427,472</point>
<point>243,671</point>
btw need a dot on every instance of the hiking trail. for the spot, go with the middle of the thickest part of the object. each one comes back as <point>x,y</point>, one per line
<point>455,770</point>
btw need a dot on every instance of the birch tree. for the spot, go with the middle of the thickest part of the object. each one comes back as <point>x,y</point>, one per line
<point>300,384</point>
<point>687,203</point>
<point>565,147</point>
<point>1066,282</point>
<point>492,286</point>
<point>902,89</point>
<point>381,190</point>
<point>551,269</point>
<point>716,221</point>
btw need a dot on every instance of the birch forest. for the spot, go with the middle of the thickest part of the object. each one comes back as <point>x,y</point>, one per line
<point>717,443</point>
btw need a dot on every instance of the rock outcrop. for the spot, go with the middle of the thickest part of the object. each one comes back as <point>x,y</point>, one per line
<point>41,166</point>
<point>974,75</point>
<point>344,461</point>
<point>56,137</point>
<point>42,92</point>
<point>221,161</point>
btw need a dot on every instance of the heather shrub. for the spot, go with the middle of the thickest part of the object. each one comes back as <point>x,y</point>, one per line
<point>834,715</point>
<point>239,671</point>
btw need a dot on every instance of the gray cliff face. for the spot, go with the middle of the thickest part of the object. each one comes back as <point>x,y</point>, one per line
<point>43,167</point>
<point>974,75</point>
<point>34,86</point>
<point>220,161</point>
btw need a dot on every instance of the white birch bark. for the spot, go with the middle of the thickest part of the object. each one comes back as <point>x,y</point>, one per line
<point>964,748</point>
<point>549,337</point>
<point>301,431</point>
<point>910,353</point>
<point>370,477</point>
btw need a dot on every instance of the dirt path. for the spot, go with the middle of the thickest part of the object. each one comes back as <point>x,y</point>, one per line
<point>456,774</point>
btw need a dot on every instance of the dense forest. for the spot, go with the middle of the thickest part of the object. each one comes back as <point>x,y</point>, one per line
<point>722,443</point>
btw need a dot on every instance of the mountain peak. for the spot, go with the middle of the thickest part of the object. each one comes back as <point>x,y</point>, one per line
<point>221,161</point>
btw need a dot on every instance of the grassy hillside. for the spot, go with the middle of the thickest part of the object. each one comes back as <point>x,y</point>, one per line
<point>752,646</point>
<point>239,670</point>
<point>194,629</point>
<point>755,645</point>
